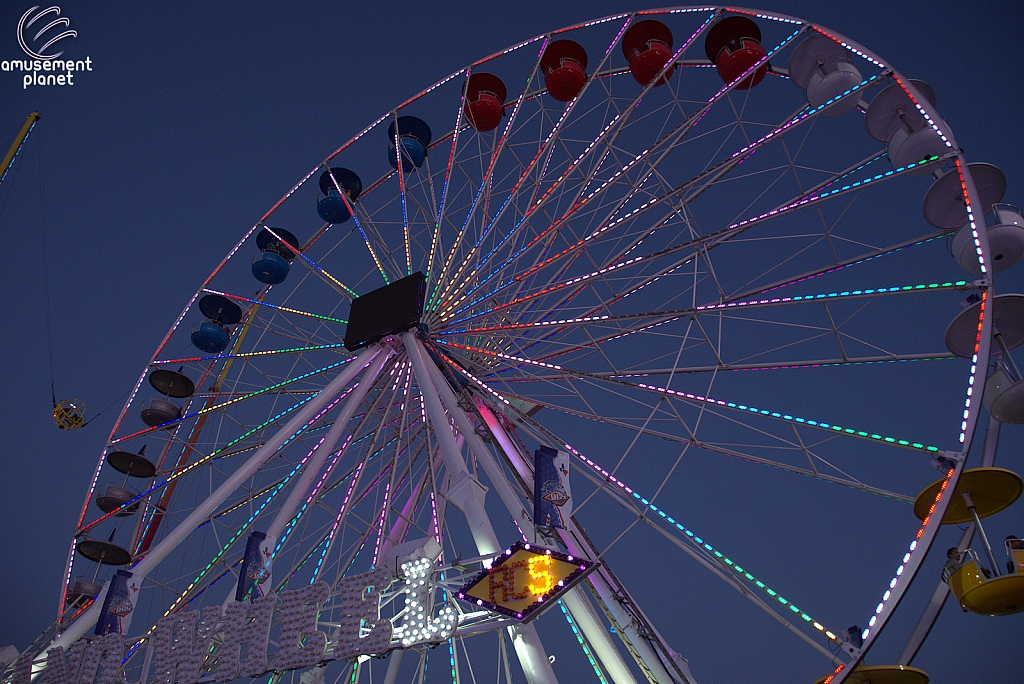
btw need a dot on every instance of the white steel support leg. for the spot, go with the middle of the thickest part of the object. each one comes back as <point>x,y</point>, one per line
<point>203,511</point>
<point>394,663</point>
<point>576,602</point>
<point>300,489</point>
<point>607,593</point>
<point>401,525</point>
<point>575,599</point>
<point>468,495</point>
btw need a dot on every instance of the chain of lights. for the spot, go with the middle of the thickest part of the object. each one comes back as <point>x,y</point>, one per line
<point>583,644</point>
<point>678,313</point>
<point>229,402</point>
<point>245,355</point>
<point>572,167</point>
<point>691,536</point>
<point>278,307</point>
<point>807,199</point>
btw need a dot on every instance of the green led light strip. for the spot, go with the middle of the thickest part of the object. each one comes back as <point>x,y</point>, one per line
<point>285,308</point>
<point>583,644</point>
<point>604,474</point>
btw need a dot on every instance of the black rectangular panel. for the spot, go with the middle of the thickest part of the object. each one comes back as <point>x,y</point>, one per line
<point>386,311</point>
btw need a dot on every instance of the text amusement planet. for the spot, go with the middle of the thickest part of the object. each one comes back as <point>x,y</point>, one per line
<point>40,33</point>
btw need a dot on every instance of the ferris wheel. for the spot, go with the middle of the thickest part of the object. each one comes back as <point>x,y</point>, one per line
<point>648,255</point>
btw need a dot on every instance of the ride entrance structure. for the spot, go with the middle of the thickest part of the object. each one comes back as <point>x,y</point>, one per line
<point>669,245</point>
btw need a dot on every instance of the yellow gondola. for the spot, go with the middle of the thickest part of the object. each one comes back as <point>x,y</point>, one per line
<point>1002,595</point>
<point>981,492</point>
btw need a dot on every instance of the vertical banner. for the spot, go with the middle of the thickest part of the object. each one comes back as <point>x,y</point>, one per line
<point>254,575</point>
<point>552,498</point>
<point>118,605</point>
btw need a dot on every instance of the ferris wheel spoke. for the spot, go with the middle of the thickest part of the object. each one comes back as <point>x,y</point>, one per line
<point>400,172</point>
<point>483,193</point>
<point>277,307</point>
<point>702,402</point>
<point>704,242</point>
<point>365,226</point>
<point>696,547</point>
<point>316,269</point>
<point>510,363</point>
<point>651,318</point>
<point>435,245</point>
<point>604,140</point>
<point>673,138</point>
<point>544,151</point>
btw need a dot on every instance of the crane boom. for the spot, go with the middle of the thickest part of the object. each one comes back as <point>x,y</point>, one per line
<point>12,153</point>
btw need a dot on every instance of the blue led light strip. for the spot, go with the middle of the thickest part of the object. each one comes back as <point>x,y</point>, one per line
<point>740,571</point>
<point>583,644</point>
<point>751,303</point>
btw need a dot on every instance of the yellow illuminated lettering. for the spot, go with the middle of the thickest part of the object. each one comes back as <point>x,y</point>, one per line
<point>539,568</point>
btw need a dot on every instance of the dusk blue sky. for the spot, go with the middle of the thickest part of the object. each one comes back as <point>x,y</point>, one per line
<point>197,117</point>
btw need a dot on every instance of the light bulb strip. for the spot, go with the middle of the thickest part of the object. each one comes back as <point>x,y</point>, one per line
<point>754,67</point>
<point>704,545</point>
<point>434,241</point>
<point>229,402</point>
<point>883,610</point>
<point>337,520</point>
<point>582,643</point>
<point>246,355</point>
<point>285,309</point>
<point>849,47</point>
<point>680,313</point>
<point>350,207</point>
<point>400,172</point>
<point>691,536</point>
<point>795,420</point>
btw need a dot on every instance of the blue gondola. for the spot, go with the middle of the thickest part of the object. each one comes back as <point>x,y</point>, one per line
<point>414,135</point>
<point>212,335</point>
<point>277,254</point>
<point>332,206</point>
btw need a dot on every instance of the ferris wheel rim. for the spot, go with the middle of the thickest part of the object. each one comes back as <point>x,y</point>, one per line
<point>982,353</point>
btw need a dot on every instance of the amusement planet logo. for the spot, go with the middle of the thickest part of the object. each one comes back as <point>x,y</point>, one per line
<point>37,33</point>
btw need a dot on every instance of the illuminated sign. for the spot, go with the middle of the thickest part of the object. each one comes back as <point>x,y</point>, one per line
<point>525,580</point>
<point>223,643</point>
